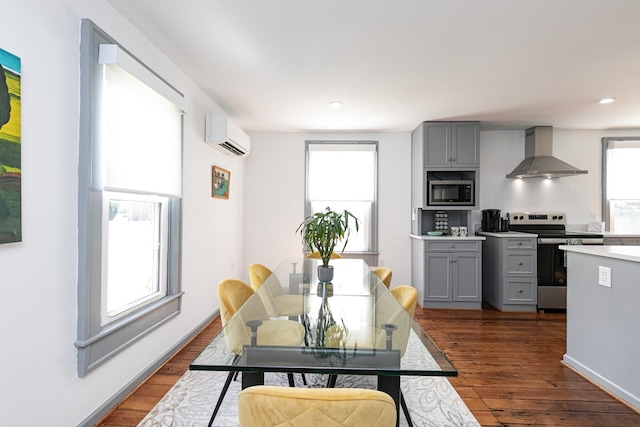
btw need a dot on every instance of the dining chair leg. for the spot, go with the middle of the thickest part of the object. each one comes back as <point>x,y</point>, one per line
<point>290,378</point>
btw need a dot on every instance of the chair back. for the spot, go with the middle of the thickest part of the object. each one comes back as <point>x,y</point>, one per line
<point>316,254</point>
<point>384,274</point>
<point>258,273</point>
<point>269,406</point>
<point>407,296</point>
<point>232,294</point>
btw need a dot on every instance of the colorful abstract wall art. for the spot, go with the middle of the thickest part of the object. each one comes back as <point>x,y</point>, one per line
<point>10,157</point>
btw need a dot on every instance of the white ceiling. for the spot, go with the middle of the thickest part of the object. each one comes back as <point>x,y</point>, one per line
<point>274,65</point>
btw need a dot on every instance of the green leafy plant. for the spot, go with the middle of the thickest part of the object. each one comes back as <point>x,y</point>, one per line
<point>323,230</point>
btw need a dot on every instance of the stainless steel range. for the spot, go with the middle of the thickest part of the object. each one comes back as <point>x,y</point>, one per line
<point>552,267</point>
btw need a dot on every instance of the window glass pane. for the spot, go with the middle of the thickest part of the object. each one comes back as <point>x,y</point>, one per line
<point>359,241</point>
<point>134,240</point>
<point>625,216</point>
<point>621,166</point>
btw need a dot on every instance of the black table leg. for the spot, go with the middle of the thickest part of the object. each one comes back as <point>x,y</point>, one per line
<point>252,378</point>
<point>391,386</point>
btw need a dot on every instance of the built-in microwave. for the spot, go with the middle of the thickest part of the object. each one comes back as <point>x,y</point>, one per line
<point>450,193</point>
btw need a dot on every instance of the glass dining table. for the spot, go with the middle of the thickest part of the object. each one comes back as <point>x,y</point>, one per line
<point>352,325</point>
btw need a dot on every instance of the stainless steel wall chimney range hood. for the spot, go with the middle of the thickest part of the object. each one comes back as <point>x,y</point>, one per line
<point>539,161</point>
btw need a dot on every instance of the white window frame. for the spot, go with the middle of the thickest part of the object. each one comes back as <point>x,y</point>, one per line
<point>609,143</point>
<point>97,340</point>
<point>162,234</point>
<point>370,255</point>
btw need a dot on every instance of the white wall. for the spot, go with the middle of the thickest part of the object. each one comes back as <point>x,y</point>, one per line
<point>275,176</point>
<point>38,276</point>
<point>579,196</point>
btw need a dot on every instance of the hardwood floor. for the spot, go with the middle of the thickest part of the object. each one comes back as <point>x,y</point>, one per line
<point>510,372</point>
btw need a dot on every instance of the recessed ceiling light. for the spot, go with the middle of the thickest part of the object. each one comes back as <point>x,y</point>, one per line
<point>336,104</point>
<point>606,100</point>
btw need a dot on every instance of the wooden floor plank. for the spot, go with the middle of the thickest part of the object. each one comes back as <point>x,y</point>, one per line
<point>510,372</point>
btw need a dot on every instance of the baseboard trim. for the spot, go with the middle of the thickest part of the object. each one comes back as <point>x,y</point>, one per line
<point>612,389</point>
<point>106,408</point>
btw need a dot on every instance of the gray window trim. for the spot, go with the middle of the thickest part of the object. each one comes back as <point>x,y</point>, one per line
<point>374,211</point>
<point>606,142</point>
<point>96,343</point>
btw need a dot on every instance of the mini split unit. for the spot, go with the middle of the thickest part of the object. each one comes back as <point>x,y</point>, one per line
<point>222,134</point>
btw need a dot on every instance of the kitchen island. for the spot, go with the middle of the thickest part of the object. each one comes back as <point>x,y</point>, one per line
<point>603,322</point>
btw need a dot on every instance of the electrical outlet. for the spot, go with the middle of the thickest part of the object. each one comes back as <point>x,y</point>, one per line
<point>604,276</point>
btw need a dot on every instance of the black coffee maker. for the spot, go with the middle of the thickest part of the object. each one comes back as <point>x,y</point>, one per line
<point>491,220</point>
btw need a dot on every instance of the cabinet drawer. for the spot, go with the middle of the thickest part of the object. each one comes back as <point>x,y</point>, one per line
<point>516,263</point>
<point>520,291</point>
<point>527,243</point>
<point>452,245</point>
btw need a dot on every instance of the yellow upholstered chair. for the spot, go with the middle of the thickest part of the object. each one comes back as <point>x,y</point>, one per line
<point>269,406</point>
<point>236,308</point>
<point>275,298</point>
<point>316,254</point>
<point>235,294</point>
<point>407,296</point>
<point>258,273</point>
<point>384,274</point>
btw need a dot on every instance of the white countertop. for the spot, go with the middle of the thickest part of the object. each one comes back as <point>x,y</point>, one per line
<point>426,237</point>
<point>627,253</point>
<point>506,234</point>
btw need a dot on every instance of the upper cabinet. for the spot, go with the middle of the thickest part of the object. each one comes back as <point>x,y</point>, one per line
<point>444,151</point>
<point>451,144</point>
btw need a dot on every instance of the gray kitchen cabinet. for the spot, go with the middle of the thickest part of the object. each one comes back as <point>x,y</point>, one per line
<point>452,274</point>
<point>451,144</point>
<point>509,272</point>
<point>447,151</point>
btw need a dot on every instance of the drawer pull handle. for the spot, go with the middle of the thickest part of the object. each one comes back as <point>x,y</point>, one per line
<point>519,243</point>
<point>453,245</point>
<point>519,263</point>
<point>519,291</point>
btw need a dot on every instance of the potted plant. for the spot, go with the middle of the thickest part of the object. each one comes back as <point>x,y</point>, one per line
<point>322,231</point>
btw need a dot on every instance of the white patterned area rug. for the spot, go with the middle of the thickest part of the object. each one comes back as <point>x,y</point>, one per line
<point>432,401</point>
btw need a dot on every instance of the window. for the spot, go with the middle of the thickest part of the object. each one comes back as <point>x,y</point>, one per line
<point>130,183</point>
<point>621,195</point>
<point>343,175</point>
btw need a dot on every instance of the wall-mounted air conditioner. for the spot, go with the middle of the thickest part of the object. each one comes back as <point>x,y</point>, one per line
<point>224,135</point>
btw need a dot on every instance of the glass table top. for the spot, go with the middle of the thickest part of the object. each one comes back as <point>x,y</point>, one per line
<point>352,325</point>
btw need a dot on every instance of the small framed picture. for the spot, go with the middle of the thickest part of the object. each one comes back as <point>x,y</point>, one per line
<point>220,181</point>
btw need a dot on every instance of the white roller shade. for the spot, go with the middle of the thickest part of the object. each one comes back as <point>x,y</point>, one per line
<point>623,158</point>
<point>139,135</point>
<point>342,172</point>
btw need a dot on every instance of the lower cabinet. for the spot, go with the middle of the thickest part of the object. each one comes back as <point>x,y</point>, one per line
<point>453,279</point>
<point>510,273</point>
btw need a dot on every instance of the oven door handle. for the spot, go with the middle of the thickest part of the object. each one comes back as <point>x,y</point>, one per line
<point>551,241</point>
<point>568,241</point>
